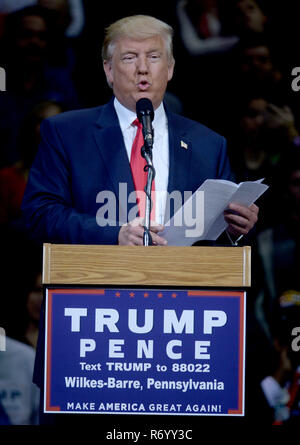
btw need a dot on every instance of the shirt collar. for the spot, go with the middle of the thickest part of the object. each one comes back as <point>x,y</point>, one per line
<point>126,117</point>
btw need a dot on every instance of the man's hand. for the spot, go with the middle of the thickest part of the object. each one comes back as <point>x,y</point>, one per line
<point>281,118</point>
<point>240,218</point>
<point>131,234</point>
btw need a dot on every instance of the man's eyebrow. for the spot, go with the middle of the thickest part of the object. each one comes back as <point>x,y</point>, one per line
<point>134,51</point>
<point>154,50</point>
<point>129,51</point>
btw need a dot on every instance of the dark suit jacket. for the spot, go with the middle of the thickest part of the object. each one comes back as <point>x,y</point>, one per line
<point>82,152</point>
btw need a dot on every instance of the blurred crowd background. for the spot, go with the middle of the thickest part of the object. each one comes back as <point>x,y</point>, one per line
<point>233,73</point>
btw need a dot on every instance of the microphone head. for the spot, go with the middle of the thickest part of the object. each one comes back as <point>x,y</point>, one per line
<point>144,107</point>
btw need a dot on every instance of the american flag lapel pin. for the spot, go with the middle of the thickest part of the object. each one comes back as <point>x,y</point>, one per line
<point>184,145</point>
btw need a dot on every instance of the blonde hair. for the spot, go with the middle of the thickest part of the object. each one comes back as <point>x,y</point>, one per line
<point>137,27</point>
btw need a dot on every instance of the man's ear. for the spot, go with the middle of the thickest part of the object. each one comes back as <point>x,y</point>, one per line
<point>171,70</point>
<point>107,66</point>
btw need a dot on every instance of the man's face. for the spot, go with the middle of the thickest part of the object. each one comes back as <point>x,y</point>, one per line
<point>257,63</point>
<point>139,68</point>
<point>32,38</point>
<point>254,118</point>
<point>250,16</point>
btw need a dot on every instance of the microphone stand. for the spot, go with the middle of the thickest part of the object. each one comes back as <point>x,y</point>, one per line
<point>146,152</point>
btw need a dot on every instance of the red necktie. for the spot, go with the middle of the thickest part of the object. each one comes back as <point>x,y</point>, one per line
<point>137,164</point>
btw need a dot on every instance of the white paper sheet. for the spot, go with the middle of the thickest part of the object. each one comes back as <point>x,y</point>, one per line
<point>209,206</point>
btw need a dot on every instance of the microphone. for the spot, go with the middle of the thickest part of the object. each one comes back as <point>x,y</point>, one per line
<point>145,114</point>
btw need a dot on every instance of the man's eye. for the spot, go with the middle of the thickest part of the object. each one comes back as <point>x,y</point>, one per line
<point>128,57</point>
<point>154,56</point>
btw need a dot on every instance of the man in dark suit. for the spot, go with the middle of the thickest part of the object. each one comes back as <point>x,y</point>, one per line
<point>83,152</point>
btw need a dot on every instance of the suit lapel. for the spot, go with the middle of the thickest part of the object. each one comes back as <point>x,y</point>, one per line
<point>112,149</point>
<point>180,148</point>
<point>109,139</point>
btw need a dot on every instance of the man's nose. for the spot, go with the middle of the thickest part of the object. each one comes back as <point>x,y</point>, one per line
<point>142,65</point>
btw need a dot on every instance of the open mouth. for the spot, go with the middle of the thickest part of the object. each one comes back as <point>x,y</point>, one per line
<point>143,85</point>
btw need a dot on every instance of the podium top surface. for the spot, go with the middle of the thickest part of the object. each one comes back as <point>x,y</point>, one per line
<point>74,264</point>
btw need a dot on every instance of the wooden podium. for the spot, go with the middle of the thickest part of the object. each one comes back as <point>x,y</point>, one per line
<point>201,289</point>
<point>228,267</point>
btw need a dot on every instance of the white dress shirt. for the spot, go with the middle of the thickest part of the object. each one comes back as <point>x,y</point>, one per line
<point>160,152</point>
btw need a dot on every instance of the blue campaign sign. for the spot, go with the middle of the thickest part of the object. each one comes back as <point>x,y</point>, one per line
<point>145,351</point>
